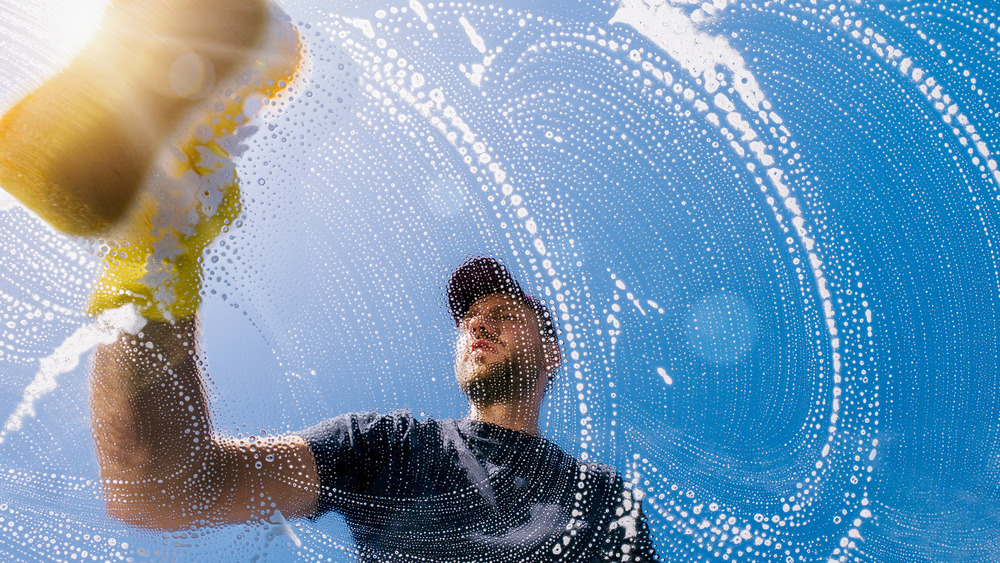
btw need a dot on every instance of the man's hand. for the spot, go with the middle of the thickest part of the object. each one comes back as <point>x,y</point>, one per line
<point>77,149</point>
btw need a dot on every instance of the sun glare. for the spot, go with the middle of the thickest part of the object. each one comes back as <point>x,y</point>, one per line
<point>74,23</point>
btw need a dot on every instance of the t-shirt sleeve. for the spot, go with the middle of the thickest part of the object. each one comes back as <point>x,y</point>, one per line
<point>351,452</point>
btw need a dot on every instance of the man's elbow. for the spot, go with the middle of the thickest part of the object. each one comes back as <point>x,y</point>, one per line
<point>164,494</point>
<point>144,516</point>
<point>155,510</point>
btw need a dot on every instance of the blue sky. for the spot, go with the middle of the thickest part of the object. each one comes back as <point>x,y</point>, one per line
<point>778,277</point>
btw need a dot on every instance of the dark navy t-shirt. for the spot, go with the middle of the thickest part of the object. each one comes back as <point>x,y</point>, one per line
<point>460,490</point>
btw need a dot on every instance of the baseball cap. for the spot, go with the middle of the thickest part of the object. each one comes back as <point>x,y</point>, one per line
<point>482,276</point>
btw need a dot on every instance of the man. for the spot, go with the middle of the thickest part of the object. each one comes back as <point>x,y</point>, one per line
<point>484,488</point>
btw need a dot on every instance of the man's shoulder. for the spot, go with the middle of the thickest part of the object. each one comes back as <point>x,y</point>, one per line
<point>597,468</point>
<point>375,416</point>
<point>604,476</point>
<point>359,424</point>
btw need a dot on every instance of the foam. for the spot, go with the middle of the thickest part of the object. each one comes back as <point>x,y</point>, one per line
<point>66,357</point>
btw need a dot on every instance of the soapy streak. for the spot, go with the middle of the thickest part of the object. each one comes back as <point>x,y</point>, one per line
<point>66,358</point>
<point>475,38</point>
<point>6,201</point>
<point>700,53</point>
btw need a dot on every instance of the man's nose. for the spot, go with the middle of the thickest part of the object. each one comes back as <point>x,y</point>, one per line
<point>480,325</point>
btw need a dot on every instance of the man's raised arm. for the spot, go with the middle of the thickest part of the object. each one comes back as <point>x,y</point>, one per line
<point>162,466</point>
<point>75,152</point>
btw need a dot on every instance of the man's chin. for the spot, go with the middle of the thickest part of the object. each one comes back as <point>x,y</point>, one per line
<point>478,368</point>
<point>471,381</point>
<point>490,384</point>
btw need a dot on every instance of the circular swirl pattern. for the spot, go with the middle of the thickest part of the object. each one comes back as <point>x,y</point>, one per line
<point>766,230</point>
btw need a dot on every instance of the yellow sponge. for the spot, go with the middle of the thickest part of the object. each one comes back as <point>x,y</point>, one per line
<point>190,198</point>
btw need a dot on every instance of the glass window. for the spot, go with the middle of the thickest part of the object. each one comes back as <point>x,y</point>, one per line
<point>740,258</point>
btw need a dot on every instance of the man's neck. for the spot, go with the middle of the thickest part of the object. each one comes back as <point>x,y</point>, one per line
<point>514,416</point>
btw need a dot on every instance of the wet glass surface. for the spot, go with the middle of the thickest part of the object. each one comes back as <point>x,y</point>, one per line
<point>766,229</point>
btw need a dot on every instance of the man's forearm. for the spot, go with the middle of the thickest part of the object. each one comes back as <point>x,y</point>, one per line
<point>151,426</point>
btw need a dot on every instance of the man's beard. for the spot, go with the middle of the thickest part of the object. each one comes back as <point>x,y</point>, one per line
<point>502,383</point>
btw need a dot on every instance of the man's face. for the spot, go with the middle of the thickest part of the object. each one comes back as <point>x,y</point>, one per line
<point>500,355</point>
